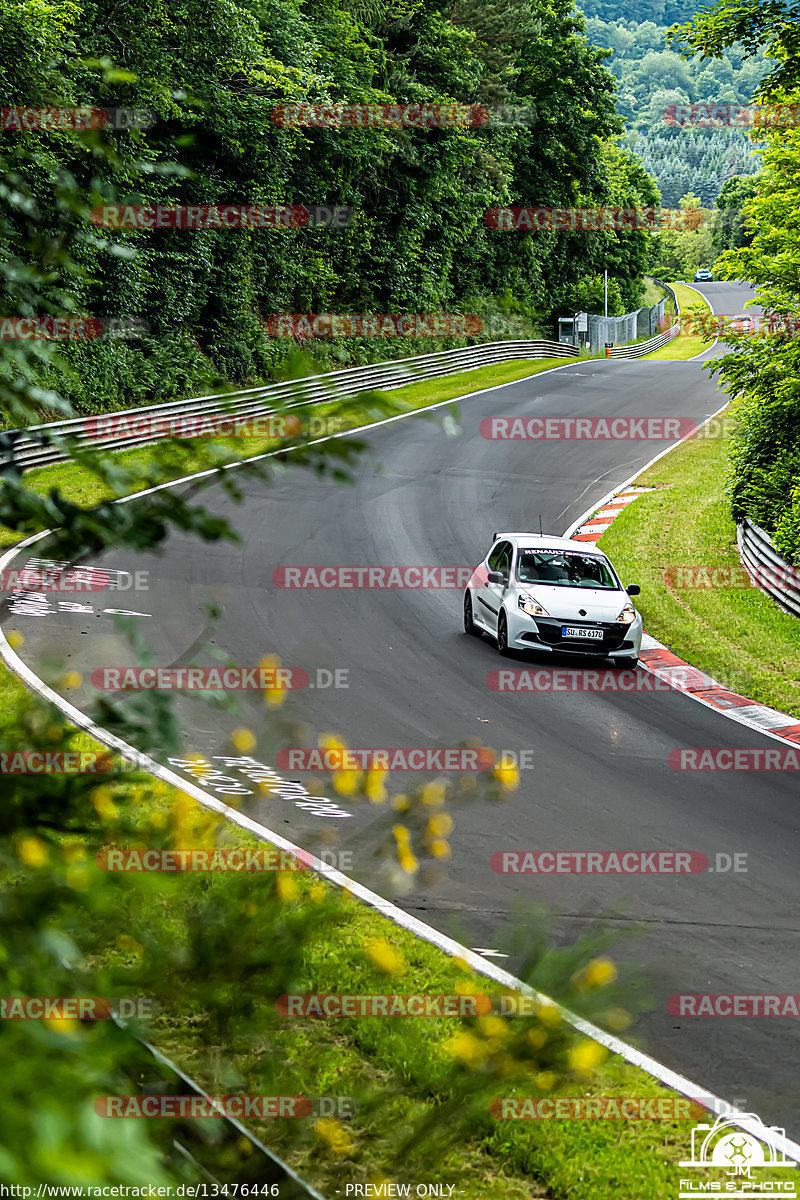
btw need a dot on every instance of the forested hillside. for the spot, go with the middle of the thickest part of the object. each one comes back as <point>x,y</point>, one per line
<point>651,76</point>
<point>417,242</point>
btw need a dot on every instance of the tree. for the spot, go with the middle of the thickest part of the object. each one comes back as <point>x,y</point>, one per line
<point>761,372</point>
<point>730,231</point>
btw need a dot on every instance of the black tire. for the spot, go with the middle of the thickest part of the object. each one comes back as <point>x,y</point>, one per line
<point>628,663</point>
<point>470,627</point>
<point>502,635</point>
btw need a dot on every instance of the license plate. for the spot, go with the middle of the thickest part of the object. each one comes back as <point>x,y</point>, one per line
<point>573,631</point>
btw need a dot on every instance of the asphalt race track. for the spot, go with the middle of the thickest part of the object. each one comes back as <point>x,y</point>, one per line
<point>601,778</point>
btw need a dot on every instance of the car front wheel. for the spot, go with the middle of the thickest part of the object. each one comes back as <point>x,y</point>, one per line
<point>469,625</point>
<point>502,635</point>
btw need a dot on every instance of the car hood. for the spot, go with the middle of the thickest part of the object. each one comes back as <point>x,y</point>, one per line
<point>566,603</point>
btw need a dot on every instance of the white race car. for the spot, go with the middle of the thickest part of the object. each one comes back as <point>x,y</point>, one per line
<point>537,592</point>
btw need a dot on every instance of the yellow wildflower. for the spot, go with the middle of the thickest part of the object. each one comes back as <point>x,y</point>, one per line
<point>507,774</point>
<point>335,1137</point>
<point>384,956</point>
<point>433,794</point>
<point>32,851</point>
<point>243,740</point>
<point>586,1055</point>
<point>466,1048</point>
<point>105,806</point>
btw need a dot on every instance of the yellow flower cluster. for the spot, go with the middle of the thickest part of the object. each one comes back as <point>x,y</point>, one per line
<point>32,851</point>
<point>333,1136</point>
<point>598,973</point>
<point>405,855</point>
<point>273,696</point>
<point>104,804</point>
<point>346,780</point>
<point>507,775</point>
<point>436,831</point>
<point>585,1056</point>
<point>384,956</point>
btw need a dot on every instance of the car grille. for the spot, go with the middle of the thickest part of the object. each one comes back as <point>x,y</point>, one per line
<point>613,636</point>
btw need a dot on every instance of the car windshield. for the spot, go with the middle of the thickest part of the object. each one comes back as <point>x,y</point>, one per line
<point>554,568</point>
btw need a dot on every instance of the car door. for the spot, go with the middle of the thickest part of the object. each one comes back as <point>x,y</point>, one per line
<point>490,597</point>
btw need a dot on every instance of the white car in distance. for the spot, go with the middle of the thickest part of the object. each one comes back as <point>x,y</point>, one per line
<point>537,592</point>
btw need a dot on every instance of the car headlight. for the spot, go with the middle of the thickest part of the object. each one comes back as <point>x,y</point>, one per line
<point>532,607</point>
<point>627,616</point>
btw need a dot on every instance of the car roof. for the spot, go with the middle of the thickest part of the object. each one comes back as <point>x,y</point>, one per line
<point>546,541</point>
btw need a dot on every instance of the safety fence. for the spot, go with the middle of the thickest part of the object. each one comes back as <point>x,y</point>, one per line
<point>767,569</point>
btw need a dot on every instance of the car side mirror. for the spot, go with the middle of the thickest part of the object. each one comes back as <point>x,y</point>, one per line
<point>633,590</point>
<point>496,577</point>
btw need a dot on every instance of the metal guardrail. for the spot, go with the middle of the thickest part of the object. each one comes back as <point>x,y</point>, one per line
<point>221,1149</point>
<point>33,446</point>
<point>656,342</point>
<point>672,292</point>
<point>768,571</point>
<point>647,347</point>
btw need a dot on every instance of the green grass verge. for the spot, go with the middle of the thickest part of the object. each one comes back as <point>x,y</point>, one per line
<point>734,633</point>
<point>652,293</point>
<point>684,345</point>
<point>561,1159</point>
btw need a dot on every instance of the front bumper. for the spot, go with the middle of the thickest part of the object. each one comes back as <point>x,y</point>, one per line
<point>544,633</point>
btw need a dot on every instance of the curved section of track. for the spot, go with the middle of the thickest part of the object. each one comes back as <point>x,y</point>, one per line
<point>601,779</point>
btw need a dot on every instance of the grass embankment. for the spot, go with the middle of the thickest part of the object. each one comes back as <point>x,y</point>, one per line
<point>575,1159</point>
<point>684,345</point>
<point>497,1160</point>
<point>734,633</point>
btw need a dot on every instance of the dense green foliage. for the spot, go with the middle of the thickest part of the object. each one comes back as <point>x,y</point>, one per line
<point>417,243</point>
<point>762,372</point>
<point>640,12</point>
<point>651,76</point>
